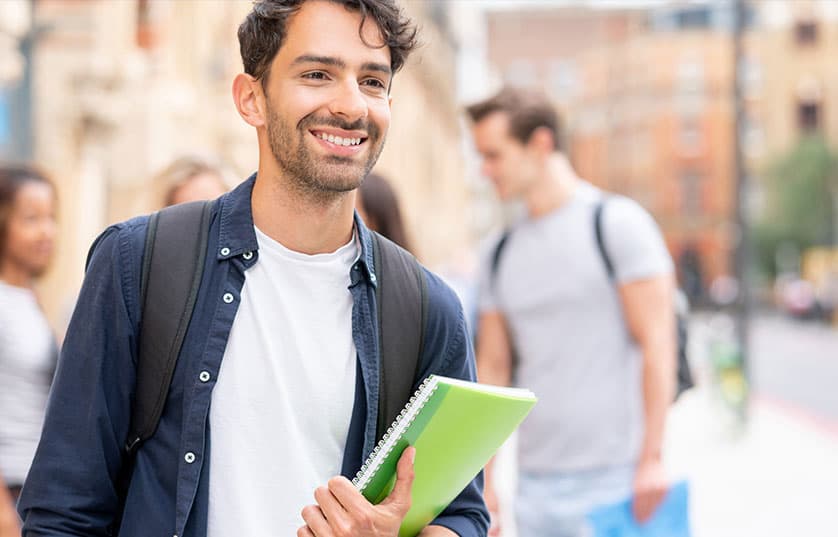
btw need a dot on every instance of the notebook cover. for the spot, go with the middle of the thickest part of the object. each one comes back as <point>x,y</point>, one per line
<point>455,434</point>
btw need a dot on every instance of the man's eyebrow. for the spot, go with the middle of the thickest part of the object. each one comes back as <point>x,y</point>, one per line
<point>325,60</point>
<point>379,67</point>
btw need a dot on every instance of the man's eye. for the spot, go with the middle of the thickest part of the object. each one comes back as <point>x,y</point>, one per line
<point>374,83</point>
<point>316,75</point>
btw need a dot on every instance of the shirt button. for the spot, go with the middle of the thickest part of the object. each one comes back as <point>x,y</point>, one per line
<point>204,376</point>
<point>228,298</point>
<point>189,457</point>
<point>225,251</point>
<point>247,256</point>
<point>372,278</point>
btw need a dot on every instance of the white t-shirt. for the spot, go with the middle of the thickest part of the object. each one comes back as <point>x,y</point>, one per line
<point>281,408</point>
<point>27,358</point>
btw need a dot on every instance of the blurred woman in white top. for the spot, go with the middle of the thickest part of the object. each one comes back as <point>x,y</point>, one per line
<point>28,350</point>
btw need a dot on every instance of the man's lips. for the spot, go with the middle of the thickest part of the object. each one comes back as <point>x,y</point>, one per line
<point>340,142</point>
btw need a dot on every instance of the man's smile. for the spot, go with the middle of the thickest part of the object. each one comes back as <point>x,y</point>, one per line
<point>339,141</point>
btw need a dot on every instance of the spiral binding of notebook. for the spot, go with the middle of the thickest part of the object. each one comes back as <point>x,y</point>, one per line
<point>394,433</point>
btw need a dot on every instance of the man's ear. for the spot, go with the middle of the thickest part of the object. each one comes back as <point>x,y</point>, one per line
<point>541,140</point>
<point>249,99</point>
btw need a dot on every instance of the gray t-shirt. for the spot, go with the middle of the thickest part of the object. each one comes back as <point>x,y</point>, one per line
<point>27,359</point>
<point>564,315</point>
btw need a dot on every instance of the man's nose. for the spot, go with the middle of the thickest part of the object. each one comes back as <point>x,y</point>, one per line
<point>349,102</point>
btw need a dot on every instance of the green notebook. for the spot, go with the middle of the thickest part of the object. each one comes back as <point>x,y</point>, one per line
<point>456,427</point>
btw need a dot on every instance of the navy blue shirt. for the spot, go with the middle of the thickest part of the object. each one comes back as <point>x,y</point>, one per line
<point>71,488</point>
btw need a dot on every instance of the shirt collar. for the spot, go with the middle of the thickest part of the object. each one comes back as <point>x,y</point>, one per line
<point>237,236</point>
<point>366,259</point>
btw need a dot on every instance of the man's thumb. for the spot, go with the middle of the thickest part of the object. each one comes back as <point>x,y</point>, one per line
<point>400,494</point>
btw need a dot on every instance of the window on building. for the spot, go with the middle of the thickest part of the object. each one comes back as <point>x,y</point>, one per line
<point>806,32</point>
<point>562,79</point>
<point>689,138</point>
<point>751,77</point>
<point>690,73</point>
<point>691,193</point>
<point>752,137</point>
<point>808,115</point>
<point>694,17</point>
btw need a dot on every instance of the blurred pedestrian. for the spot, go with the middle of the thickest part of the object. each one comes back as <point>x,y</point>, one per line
<point>378,205</point>
<point>599,351</point>
<point>27,345</point>
<point>274,401</point>
<point>192,178</point>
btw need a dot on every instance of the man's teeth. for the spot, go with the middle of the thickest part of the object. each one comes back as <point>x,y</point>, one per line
<point>337,140</point>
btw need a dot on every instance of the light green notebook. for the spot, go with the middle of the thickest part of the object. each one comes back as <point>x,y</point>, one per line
<point>456,427</point>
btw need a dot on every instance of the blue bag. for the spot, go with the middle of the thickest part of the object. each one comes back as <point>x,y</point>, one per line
<point>671,519</point>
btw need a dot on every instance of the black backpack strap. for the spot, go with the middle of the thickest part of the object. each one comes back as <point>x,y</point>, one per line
<point>493,273</point>
<point>173,263</point>
<point>600,239</point>
<point>402,303</point>
<point>496,254</point>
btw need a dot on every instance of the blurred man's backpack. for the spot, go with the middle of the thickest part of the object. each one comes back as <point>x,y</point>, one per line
<point>684,374</point>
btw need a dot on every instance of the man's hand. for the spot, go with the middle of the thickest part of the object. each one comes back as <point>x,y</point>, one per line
<point>650,487</point>
<point>342,511</point>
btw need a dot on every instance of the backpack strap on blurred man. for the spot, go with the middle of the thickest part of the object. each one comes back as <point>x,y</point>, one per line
<point>684,374</point>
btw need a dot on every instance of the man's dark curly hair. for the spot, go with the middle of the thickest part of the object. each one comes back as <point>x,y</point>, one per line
<point>263,31</point>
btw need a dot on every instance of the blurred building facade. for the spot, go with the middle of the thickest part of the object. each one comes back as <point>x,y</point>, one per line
<point>647,96</point>
<point>119,89</point>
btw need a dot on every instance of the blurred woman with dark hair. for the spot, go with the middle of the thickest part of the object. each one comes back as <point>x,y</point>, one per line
<point>379,208</point>
<point>28,350</point>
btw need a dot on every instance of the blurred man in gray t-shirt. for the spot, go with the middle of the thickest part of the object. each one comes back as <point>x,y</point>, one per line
<point>598,351</point>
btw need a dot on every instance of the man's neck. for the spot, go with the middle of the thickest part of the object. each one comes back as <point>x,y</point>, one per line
<point>554,189</point>
<point>303,223</point>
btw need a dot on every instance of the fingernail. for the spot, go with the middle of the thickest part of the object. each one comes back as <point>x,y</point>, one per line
<point>412,455</point>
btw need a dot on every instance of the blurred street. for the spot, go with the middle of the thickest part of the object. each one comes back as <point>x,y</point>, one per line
<point>772,477</point>
<point>796,363</point>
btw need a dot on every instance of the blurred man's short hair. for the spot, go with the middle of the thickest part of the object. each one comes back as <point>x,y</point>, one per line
<point>527,111</point>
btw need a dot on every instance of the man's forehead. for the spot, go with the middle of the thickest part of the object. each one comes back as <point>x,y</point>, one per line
<point>326,22</point>
<point>495,123</point>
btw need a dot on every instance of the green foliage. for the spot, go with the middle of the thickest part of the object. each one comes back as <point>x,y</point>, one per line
<point>800,207</point>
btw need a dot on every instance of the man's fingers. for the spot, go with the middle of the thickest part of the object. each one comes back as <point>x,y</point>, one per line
<point>349,497</point>
<point>304,531</point>
<point>645,504</point>
<point>316,521</point>
<point>331,507</point>
<point>400,496</point>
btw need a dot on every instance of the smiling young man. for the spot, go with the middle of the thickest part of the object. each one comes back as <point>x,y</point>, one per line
<point>273,402</point>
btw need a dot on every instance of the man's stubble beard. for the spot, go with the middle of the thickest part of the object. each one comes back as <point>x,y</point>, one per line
<point>311,175</point>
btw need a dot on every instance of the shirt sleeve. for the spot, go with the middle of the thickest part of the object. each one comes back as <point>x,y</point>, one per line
<point>633,241</point>
<point>448,352</point>
<point>71,488</point>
